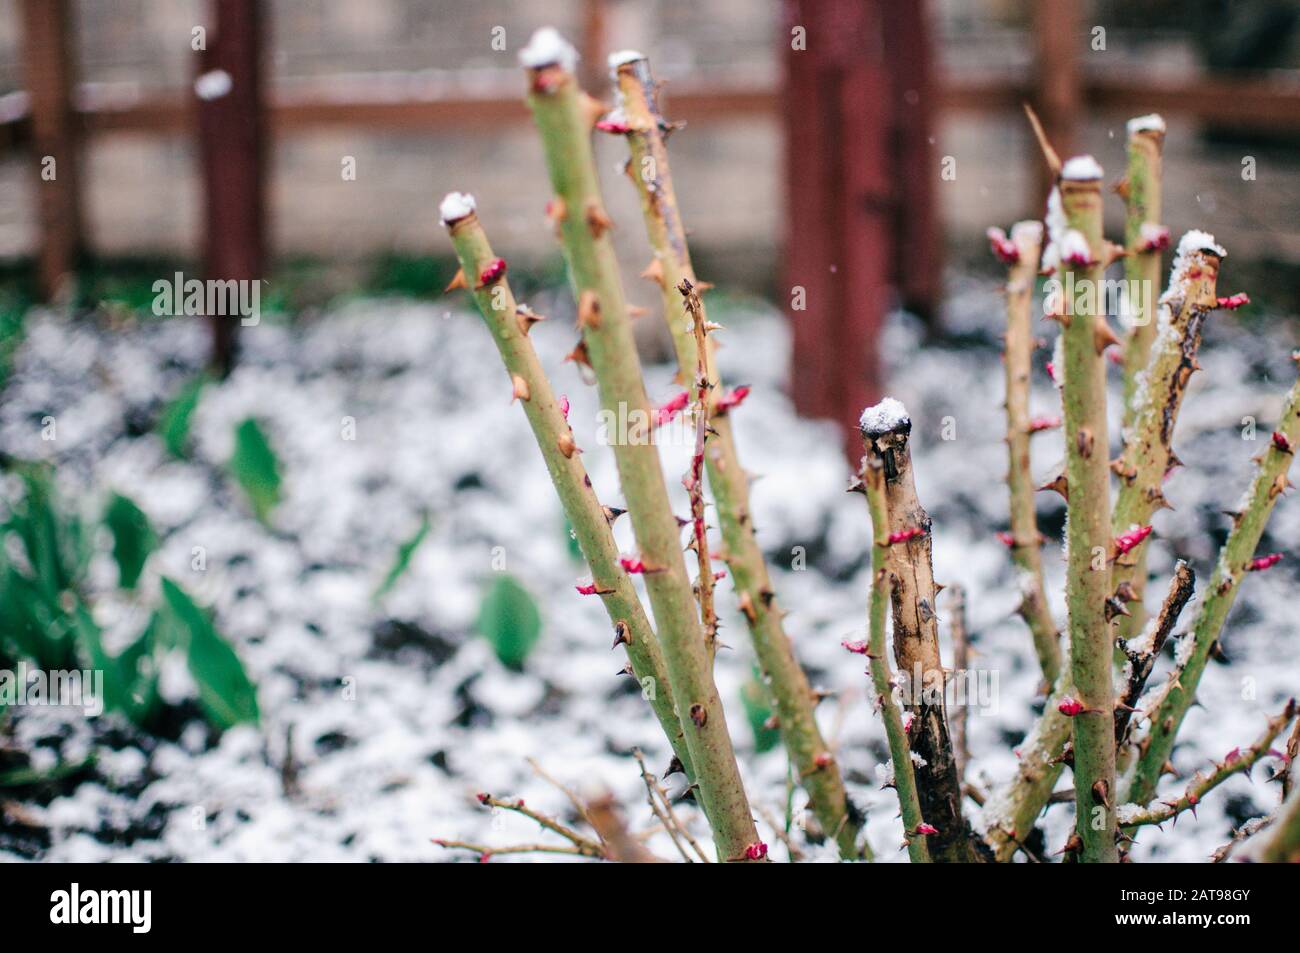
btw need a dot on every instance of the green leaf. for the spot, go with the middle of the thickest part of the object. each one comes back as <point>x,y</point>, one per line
<point>255,466</point>
<point>133,538</point>
<point>509,620</point>
<point>174,425</point>
<point>403,560</point>
<point>225,692</point>
<point>757,712</point>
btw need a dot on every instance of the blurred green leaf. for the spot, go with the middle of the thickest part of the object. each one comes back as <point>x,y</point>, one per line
<point>174,425</point>
<point>757,712</point>
<point>225,692</point>
<point>256,467</point>
<point>403,560</point>
<point>133,538</point>
<point>509,620</point>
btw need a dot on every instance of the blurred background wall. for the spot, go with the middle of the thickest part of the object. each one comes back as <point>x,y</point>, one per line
<point>142,193</point>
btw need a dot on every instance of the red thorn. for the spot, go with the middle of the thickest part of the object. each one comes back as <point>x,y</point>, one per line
<point>925,829</point>
<point>494,270</point>
<point>1128,541</point>
<point>1069,706</point>
<point>1232,756</point>
<point>1051,371</point>
<point>666,412</point>
<point>857,648</point>
<point>903,535</point>
<point>564,406</point>
<point>1007,540</point>
<point>756,851</point>
<point>1233,302</point>
<point>633,565</point>
<point>1153,238</point>
<point>1282,442</point>
<point>483,797</point>
<point>733,398</point>
<point>1044,423</point>
<point>615,126</point>
<point>1004,248</point>
<point>1264,562</point>
<point>587,590</point>
<point>823,759</point>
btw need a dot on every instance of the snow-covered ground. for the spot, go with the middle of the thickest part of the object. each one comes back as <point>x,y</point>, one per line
<point>435,717</point>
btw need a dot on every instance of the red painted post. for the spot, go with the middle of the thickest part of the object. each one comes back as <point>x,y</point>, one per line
<point>838,245</point>
<point>232,148</point>
<point>918,266</point>
<point>49,75</point>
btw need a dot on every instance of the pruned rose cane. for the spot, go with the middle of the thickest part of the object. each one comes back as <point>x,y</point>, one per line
<point>638,118</point>
<point>548,417</point>
<point>564,116</point>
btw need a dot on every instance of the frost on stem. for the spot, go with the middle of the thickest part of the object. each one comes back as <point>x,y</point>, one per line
<point>1148,454</point>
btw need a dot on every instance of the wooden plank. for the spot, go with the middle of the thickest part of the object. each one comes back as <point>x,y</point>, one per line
<point>232,149</point>
<point>48,67</point>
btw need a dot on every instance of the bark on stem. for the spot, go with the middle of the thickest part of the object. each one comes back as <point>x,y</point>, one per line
<point>794,702</point>
<point>1148,439</point>
<point>900,752</point>
<point>695,479</point>
<point>1175,698</point>
<point>498,307</point>
<point>886,430</point>
<point>1088,530</point>
<point>564,118</point>
<point>1027,239</point>
<point>1141,663</point>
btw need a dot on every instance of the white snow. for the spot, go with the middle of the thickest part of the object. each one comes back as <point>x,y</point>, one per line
<point>887,415</point>
<point>1081,169</point>
<point>547,47</point>
<point>1197,240</point>
<point>1056,225</point>
<point>435,432</point>
<point>1074,248</point>
<point>623,57</point>
<point>213,85</point>
<point>1152,122</point>
<point>455,206</point>
<point>1026,232</point>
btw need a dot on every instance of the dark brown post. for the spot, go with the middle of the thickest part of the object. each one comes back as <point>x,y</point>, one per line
<point>838,244</point>
<point>1058,83</point>
<point>232,147</point>
<point>918,260</point>
<point>49,68</point>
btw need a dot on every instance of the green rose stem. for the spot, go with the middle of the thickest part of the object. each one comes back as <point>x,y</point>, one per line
<point>1144,239</point>
<point>886,430</point>
<point>564,117</point>
<point>900,753</point>
<point>1235,762</point>
<point>1236,558</point>
<point>1084,333</point>
<point>1021,253</point>
<point>794,702</point>
<point>509,325</point>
